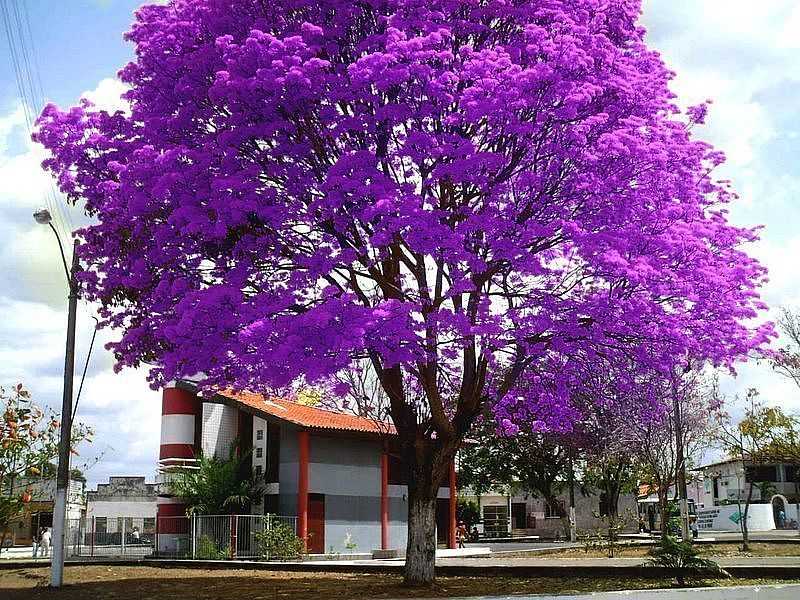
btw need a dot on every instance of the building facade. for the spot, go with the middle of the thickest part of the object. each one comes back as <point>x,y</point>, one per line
<point>773,489</point>
<point>514,515</point>
<point>337,473</point>
<point>122,504</point>
<point>39,511</point>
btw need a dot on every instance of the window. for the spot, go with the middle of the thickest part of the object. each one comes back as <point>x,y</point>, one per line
<point>495,520</point>
<point>119,524</point>
<point>101,524</point>
<point>259,434</point>
<point>759,473</point>
<point>149,524</point>
<point>554,510</point>
<point>259,452</point>
<point>259,471</point>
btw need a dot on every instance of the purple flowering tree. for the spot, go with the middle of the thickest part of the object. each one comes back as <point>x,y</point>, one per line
<point>471,196</point>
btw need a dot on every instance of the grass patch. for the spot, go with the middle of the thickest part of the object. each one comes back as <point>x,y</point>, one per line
<point>125,582</point>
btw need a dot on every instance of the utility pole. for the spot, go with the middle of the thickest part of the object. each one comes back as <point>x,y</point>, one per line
<point>572,532</point>
<point>43,217</point>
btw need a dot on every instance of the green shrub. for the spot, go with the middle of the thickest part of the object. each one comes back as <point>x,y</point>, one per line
<point>207,549</point>
<point>682,559</point>
<point>279,542</point>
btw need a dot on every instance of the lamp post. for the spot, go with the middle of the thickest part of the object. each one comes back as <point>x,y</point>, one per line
<point>43,217</point>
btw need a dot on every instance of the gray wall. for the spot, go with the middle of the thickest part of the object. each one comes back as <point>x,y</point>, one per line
<point>348,473</point>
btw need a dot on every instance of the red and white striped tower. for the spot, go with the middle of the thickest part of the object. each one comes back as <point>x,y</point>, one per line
<point>181,417</point>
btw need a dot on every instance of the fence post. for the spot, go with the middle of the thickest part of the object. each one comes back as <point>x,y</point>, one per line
<point>122,540</point>
<point>157,547</point>
<point>194,536</point>
<point>92,534</point>
<point>232,535</point>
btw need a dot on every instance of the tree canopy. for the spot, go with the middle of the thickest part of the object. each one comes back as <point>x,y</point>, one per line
<point>480,198</point>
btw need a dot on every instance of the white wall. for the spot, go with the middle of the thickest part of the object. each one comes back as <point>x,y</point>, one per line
<point>220,424</point>
<point>726,518</point>
<point>121,508</point>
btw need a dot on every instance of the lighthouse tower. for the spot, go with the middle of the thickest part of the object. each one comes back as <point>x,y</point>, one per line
<point>181,420</point>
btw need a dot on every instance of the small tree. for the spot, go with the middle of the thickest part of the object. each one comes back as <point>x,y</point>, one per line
<point>748,440</point>
<point>215,486</point>
<point>469,512</point>
<point>682,559</point>
<point>535,463</point>
<point>696,400</point>
<point>29,438</point>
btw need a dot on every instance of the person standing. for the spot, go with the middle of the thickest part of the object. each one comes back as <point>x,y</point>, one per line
<point>781,519</point>
<point>461,534</point>
<point>36,541</point>
<point>45,541</point>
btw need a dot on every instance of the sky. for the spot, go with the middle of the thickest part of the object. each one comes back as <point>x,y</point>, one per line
<point>742,57</point>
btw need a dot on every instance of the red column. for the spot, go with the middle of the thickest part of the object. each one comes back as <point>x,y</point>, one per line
<point>384,501</point>
<point>451,537</point>
<point>302,484</point>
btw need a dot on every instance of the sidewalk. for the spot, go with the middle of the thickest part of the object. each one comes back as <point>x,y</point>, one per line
<point>766,592</point>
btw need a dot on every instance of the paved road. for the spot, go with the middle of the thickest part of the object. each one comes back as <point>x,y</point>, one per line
<point>763,592</point>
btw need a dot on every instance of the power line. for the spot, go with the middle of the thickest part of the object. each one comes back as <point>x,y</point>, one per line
<point>22,53</point>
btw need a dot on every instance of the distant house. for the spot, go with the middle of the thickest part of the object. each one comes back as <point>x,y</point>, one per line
<point>39,511</point>
<point>520,514</point>
<point>649,509</point>
<point>727,483</point>
<point>337,473</point>
<point>120,505</point>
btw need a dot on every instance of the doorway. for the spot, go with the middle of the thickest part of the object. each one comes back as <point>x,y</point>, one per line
<point>442,520</point>
<point>519,516</point>
<point>316,523</point>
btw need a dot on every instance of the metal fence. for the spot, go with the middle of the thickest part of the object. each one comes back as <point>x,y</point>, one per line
<point>203,537</point>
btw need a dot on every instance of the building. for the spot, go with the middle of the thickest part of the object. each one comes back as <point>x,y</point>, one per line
<point>727,483</point>
<point>39,511</point>
<point>120,505</point>
<point>337,473</point>
<point>515,515</point>
<point>648,503</point>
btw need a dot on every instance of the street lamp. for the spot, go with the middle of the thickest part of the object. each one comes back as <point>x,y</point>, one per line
<point>43,217</point>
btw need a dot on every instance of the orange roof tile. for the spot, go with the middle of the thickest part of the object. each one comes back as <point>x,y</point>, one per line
<point>308,416</point>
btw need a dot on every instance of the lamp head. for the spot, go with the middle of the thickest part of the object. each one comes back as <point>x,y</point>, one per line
<point>42,216</point>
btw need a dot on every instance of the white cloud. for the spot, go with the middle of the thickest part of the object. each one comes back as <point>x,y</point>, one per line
<point>744,59</point>
<point>106,96</point>
<point>124,412</point>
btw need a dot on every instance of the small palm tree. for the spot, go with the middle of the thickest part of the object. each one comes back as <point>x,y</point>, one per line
<point>682,559</point>
<point>215,486</point>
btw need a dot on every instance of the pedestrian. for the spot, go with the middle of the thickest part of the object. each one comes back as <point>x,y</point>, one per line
<point>45,542</point>
<point>135,535</point>
<point>781,519</point>
<point>461,534</point>
<point>693,526</point>
<point>36,541</point>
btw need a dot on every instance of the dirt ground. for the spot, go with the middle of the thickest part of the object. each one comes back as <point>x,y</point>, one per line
<point>126,583</point>
<point>632,551</point>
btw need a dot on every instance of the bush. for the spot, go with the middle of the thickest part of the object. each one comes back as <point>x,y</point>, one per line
<point>207,549</point>
<point>683,560</point>
<point>279,542</point>
<point>469,512</point>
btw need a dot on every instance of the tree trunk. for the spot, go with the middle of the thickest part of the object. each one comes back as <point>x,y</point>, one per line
<point>745,531</point>
<point>663,507</point>
<point>421,546</point>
